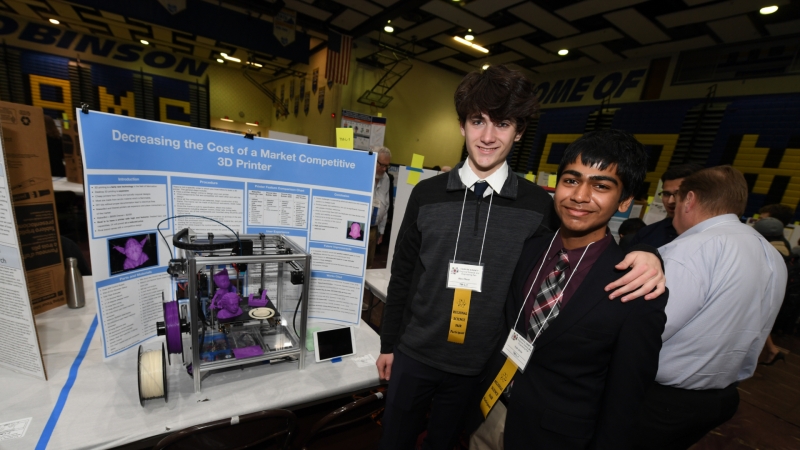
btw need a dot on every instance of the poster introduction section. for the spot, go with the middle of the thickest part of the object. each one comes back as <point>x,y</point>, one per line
<point>140,173</point>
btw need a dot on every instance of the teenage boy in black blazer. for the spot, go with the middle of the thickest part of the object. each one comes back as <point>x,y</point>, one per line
<point>584,382</point>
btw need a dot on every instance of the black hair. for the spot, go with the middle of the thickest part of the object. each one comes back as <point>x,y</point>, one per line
<point>630,226</point>
<point>680,171</point>
<point>604,148</point>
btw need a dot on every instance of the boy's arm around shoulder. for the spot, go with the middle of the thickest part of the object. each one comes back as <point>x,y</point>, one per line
<point>633,367</point>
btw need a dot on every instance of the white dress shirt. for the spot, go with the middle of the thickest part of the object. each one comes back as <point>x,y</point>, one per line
<point>380,200</point>
<point>495,180</point>
<point>726,285</point>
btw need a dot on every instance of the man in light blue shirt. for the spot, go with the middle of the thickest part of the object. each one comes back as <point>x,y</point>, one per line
<point>726,286</point>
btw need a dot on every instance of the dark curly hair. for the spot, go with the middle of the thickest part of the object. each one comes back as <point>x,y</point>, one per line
<point>499,92</point>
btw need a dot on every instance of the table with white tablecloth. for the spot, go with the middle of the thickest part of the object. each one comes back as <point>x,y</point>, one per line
<point>89,402</point>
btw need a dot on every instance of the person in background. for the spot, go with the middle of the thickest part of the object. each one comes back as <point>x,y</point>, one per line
<point>726,286</point>
<point>783,213</point>
<point>662,232</point>
<point>380,199</point>
<point>471,223</point>
<point>772,230</point>
<point>628,229</point>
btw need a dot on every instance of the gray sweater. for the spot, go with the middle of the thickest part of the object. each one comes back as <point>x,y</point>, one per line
<point>417,315</point>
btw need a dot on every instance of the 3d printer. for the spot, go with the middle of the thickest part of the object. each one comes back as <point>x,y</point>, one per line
<point>237,301</point>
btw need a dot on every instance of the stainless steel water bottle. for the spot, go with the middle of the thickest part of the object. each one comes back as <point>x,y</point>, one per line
<point>74,284</point>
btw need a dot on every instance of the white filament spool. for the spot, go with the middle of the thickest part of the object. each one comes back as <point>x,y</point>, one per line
<point>152,375</point>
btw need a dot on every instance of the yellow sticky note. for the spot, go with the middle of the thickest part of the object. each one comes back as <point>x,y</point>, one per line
<point>413,178</point>
<point>530,176</point>
<point>344,138</point>
<point>416,161</point>
<point>551,180</point>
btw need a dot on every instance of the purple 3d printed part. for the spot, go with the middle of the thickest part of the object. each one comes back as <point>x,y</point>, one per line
<point>228,305</point>
<point>134,256</point>
<point>172,323</point>
<point>258,303</point>
<point>248,352</point>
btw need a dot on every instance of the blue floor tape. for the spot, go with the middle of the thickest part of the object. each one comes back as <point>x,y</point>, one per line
<point>44,439</point>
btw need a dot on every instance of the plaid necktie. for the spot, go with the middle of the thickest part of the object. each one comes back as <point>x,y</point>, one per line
<point>549,297</point>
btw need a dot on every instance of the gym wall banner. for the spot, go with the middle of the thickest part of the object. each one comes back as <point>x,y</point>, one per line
<point>138,173</point>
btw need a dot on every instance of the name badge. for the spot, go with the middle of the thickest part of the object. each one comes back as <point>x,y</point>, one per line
<point>465,276</point>
<point>518,349</point>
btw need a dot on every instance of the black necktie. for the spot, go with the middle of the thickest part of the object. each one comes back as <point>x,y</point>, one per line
<point>480,188</point>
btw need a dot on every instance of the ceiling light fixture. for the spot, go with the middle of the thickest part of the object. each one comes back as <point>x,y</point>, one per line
<point>230,58</point>
<point>144,42</point>
<point>388,28</point>
<point>768,10</point>
<point>470,44</point>
<point>220,60</point>
<point>469,35</point>
<point>485,66</point>
<point>225,119</point>
<point>255,64</point>
<point>252,124</point>
<point>56,22</point>
<point>563,52</point>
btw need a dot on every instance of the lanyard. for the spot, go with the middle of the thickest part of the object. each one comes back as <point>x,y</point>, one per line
<point>544,258</point>
<point>485,227</point>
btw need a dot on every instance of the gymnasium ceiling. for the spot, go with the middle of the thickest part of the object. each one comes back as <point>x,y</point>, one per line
<point>527,34</point>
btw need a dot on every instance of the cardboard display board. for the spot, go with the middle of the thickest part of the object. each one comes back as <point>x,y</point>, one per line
<point>19,342</point>
<point>72,155</point>
<point>138,173</point>
<point>31,189</point>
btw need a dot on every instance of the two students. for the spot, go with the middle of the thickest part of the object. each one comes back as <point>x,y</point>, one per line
<point>457,248</point>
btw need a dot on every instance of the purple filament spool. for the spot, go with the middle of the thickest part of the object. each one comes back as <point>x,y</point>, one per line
<point>172,322</point>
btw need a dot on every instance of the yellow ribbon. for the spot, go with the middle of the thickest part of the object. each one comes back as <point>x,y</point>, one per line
<point>498,386</point>
<point>459,316</point>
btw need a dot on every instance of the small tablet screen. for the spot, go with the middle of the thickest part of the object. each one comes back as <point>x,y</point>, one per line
<point>333,343</point>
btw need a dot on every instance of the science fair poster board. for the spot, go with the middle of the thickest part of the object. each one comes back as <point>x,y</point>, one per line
<point>138,173</point>
<point>367,130</point>
<point>402,195</point>
<point>19,342</point>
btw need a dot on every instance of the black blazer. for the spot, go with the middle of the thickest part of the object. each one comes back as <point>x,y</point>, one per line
<point>586,379</point>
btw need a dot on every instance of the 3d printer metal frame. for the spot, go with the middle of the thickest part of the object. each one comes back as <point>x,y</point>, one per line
<point>262,243</point>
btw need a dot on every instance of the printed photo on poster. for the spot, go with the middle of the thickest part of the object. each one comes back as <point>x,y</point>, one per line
<point>355,231</point>
<point>132,252</point>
